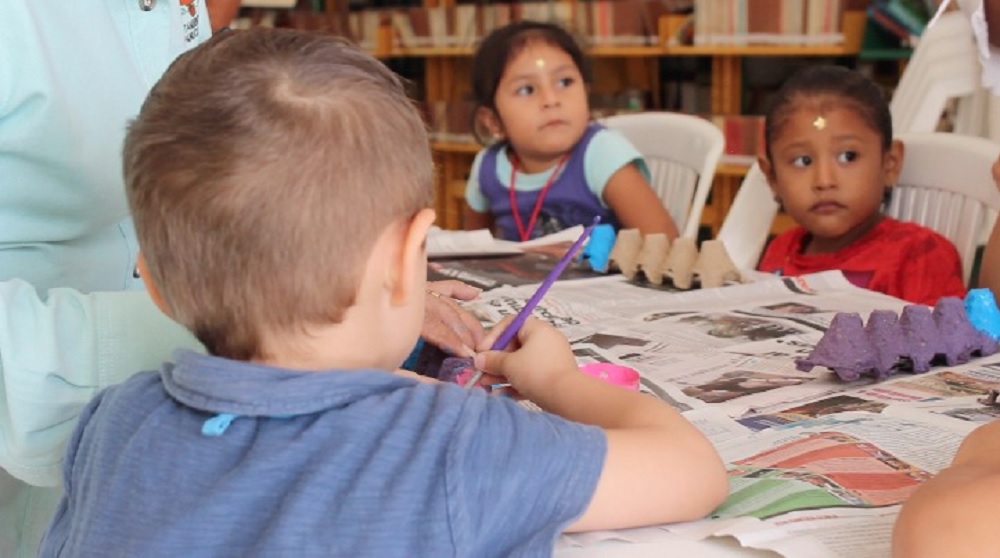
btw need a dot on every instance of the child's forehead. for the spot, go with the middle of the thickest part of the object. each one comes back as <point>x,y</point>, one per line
<point>821,103</point>
<point>538,52</point>
<point>824,116</point>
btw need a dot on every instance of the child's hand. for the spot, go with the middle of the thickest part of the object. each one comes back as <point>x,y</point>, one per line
<point>533,362</point>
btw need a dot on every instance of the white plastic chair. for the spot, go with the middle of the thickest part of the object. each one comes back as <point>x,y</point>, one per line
<point>944,65</point>
<point>746,226</point>
<point>682,152</point>
<point>945,184</point>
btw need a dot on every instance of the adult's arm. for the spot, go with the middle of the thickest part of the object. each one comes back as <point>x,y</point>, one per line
<point>446,324</point>
<point>57,350</point>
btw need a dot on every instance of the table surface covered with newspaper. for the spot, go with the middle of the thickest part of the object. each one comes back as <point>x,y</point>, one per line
<point>818,467</point>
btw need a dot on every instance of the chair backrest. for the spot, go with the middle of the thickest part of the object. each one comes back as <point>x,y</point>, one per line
<point>946,184</point>
<point>944,65</point>
<point>745,229</point>
<point>682,152</point>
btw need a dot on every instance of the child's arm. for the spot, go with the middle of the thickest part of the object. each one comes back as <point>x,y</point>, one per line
<point>635,203</point>
<point>659,468</point>
<point>475,211</point>
<point>989,268</point>
<point>991,10</point>
<point>474,220</point>
<point>953,513</point>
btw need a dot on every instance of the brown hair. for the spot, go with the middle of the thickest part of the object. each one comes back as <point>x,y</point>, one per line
<point>260,171</point>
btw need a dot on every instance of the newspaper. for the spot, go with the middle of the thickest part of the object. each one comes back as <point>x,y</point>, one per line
<point>818,467</point>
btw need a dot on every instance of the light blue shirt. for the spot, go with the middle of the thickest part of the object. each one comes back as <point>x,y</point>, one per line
<point>607,152</point>
<point>72,73</point>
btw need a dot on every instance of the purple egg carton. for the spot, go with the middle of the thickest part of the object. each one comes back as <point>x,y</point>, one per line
<point>888,344</point>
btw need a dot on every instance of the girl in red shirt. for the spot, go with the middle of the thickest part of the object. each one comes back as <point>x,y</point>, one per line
<point>831,161</point>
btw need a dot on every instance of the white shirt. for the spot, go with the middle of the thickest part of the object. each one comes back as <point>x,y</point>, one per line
<point>989,55</point>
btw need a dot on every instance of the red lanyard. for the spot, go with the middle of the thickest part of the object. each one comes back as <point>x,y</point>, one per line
<point>525,233</point>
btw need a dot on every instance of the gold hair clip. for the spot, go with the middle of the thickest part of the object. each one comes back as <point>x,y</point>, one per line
<point>819,123</point>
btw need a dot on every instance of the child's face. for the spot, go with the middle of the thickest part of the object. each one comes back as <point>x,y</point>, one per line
<point>542,106</point>
<point>829,171</point>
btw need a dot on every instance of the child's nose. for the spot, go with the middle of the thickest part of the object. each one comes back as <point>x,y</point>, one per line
<point>550,96</point>
<point>824,177</point>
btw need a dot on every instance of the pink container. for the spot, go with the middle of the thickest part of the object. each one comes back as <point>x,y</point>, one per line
<point>615,374</point>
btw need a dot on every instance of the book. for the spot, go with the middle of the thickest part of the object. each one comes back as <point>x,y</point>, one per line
<point>886,22</point>
<point>443,244</point>
<point>447,244</point>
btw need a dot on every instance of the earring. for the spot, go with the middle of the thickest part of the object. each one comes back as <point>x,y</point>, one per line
<point>887,196</point>
<point>781,206</point>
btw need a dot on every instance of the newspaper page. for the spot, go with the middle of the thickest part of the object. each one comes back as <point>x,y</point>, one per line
<point>818,466</point>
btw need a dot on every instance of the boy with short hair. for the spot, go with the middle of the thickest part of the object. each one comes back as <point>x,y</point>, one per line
<point>280,184</point>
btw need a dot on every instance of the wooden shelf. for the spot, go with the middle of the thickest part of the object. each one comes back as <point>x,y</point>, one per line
<point>760,50</point>
<point>606,51</point>
<point>455,147</point>
<point>611,51</point>
<point>430,52</point>
<point>732,169</point>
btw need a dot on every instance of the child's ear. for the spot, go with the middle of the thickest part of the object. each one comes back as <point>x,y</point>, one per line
<point>151,288</point>
<point>492,121</point>
<point>412,256</point>
<point>892,162</point>
<point>768,169</point>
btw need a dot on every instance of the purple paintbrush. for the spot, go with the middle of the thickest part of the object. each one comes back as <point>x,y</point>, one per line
<point>522,316</point>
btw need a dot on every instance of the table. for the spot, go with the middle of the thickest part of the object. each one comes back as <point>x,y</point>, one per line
<point>818,467</point>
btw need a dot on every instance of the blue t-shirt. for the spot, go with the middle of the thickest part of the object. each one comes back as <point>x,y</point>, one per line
<point>333,463</point>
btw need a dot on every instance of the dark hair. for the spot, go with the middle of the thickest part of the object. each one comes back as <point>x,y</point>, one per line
<point>841,86</point>
<point>504,43</point>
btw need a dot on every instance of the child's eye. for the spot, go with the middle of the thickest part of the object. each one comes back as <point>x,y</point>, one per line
<point>525,90</point>
<point>565,82</point>
<point>802,161</point>
<point>847,156</point>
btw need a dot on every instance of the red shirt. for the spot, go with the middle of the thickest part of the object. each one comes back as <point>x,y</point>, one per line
<point>901,259</point>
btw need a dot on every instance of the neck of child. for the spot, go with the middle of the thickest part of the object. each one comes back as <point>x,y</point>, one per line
<point>360,341</point>
<point>531,164</point>
<point>322,348</point>
<point>826,245</point>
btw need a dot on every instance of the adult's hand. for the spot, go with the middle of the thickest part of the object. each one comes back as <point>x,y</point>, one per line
<point>448,325</point>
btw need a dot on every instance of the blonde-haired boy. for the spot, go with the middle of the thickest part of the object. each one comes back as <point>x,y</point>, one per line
<point>280,184</point>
